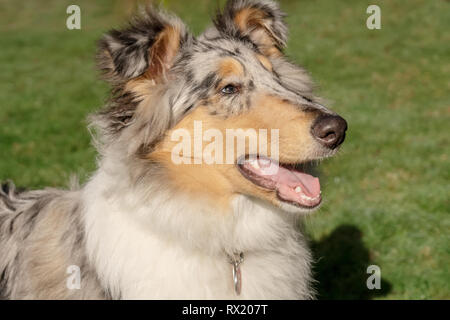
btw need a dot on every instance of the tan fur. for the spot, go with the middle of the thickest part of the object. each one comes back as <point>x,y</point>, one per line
<point>265,62</point>
<point>252,20</point>
<point>202,181</point>
<point>163,52</point>
<point>249,17</point>
<point>161,57</point>
<point>222,181</point>
<point>140,86</point>
<point>230,67</point>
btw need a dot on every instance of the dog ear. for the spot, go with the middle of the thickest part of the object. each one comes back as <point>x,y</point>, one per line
<point>147,47</point>
<point>260,21</point>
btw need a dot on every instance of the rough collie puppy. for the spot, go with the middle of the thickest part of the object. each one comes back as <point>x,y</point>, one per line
<point>145,227</point>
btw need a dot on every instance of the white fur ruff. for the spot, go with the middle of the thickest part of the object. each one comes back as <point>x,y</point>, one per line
<point>172,247</point>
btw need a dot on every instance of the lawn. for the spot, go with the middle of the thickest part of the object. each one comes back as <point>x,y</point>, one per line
<point>387,192</point>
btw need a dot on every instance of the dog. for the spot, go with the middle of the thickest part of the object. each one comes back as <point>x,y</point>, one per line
<point>144,227</point>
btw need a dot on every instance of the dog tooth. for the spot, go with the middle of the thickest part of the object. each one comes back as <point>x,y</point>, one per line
<point>298,189</point>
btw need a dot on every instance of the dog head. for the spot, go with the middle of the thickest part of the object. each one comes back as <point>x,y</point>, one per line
<point>176,94</point>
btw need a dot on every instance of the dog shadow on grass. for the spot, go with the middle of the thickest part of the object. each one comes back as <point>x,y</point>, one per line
<point>341,267</point>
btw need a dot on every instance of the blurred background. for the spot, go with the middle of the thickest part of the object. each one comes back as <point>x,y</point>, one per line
<point>386,193</point>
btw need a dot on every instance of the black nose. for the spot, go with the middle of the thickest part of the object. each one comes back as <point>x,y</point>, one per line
<point>329,130</point>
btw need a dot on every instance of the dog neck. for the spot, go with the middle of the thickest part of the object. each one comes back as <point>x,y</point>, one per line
<point>129,227</point>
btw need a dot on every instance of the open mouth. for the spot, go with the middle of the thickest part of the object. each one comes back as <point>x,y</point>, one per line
<point>291,184</point>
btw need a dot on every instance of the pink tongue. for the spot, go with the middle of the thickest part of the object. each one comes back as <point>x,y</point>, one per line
<point>310,185</point>
<point>286,181</point>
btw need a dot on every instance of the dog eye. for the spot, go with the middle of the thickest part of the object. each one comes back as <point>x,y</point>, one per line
<point>230,89</point>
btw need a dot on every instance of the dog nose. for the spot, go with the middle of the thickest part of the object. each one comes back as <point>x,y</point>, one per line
<point>329,130</point>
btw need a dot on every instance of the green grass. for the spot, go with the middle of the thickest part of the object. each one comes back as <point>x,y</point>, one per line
<point>387,191</point>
